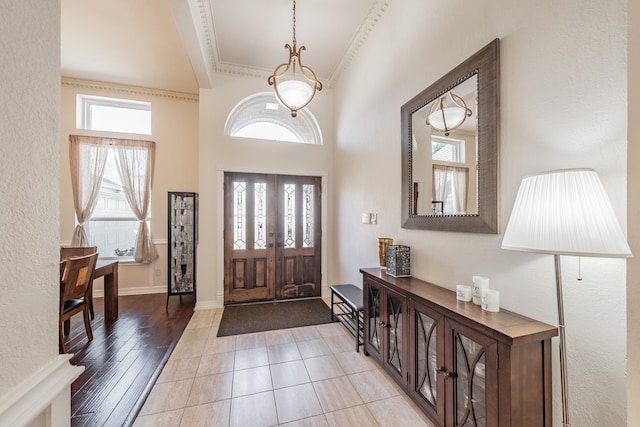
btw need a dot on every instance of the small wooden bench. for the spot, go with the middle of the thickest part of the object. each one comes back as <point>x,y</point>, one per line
<point>350,314</point>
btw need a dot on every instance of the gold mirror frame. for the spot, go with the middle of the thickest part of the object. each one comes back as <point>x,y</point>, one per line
<point>486,65</point>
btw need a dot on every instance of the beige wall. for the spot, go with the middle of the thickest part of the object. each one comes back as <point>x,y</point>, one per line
<point>633,213</point>
<point>175,131</point>
<point>34,380</point>
<point>563,104</point>
<point>30,34</point>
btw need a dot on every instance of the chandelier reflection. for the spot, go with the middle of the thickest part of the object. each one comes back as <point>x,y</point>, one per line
<point>447,118</point>
<point>294,84</point>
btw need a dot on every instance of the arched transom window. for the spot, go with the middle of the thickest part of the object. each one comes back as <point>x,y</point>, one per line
<point>261,116</point>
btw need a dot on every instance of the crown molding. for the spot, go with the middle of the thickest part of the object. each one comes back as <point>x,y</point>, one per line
<point>369,23</point>
<point>128,89</point>
<point>207,33</point>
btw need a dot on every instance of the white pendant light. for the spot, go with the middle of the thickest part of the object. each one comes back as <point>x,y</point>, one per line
<point>294,84</point>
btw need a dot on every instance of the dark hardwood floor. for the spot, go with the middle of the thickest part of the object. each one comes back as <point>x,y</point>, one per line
<point>125,357</point>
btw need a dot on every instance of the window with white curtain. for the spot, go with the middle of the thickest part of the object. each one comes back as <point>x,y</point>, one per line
<point>450,186</point>
<point>113,226</point>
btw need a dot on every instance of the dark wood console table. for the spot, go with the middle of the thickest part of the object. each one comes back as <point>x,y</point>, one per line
<point>463,366</point>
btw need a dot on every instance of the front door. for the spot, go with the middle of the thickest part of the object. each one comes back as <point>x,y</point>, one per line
<point>272,237</point>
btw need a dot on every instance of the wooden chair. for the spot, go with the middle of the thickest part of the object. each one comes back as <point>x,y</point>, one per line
<point>74,292</point>
<point>67,252</point>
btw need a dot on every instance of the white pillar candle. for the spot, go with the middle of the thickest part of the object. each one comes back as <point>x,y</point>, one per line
<point>491,300</point>
<point>463,293</point>
<point>479,283</point>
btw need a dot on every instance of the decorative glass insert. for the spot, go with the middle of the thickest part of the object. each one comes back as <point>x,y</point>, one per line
<point>182,237</point>
<point>394,322</point>
<point>427,374</point>
<point>260,217</point>
<point>289,215</point>
<point>375,330</point>
<point>470,382</point>
<point>239,215</point>
<point>307,209</point>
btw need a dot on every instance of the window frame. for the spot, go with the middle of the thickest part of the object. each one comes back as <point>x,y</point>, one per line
<point>131,218</point>
<point>304,126</point>
<point>458,148</point>
<point>84,111</point>
<point>84,120</point>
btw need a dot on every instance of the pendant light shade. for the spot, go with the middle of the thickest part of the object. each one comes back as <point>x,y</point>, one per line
<point>294,93</point>
<point>447,118</point>
<point>294,84</point>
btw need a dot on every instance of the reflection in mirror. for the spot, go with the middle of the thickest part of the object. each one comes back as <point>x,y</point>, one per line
<point>443,160</point>
<point>450,149</point>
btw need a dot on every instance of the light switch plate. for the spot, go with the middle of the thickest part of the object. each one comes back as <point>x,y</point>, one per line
<point>373,218</point>
<point>366,218</point>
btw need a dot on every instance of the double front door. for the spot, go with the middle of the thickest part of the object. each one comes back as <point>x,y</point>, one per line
<point>272,237</point>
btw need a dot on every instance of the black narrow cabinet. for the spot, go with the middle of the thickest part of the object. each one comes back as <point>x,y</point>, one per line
<point>182,242</point>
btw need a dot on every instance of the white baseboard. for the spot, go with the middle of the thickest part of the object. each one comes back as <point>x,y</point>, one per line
<point>48,391</point>
<point>139,290</point>
<point>146,290</point>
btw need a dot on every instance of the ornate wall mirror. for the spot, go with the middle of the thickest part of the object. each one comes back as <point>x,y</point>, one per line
<point>450,149</point>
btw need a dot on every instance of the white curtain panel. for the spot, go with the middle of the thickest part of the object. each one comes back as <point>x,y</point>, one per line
<point>135,160</point>
<point>88,156</point>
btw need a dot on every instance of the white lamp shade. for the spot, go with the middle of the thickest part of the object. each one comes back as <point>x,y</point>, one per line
<point>294,93</point>
<point>565,212</point>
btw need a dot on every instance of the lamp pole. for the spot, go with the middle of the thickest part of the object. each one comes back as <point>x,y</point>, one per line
<point>562,345</point>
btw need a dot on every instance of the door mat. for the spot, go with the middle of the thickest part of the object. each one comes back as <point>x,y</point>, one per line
<point>268,316</point>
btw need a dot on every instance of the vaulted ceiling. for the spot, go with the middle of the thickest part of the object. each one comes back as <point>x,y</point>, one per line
<point>180,45</point>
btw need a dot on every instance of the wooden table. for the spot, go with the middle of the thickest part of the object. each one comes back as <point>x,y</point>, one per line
<point>109,270</point>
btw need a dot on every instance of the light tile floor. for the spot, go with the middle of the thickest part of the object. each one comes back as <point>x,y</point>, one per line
<point>300,377</point>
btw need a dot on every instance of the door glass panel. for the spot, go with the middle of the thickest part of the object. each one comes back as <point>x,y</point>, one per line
<point>260,214</point>
<point>375,330</point>
<point>427,376</point>
<point>289,215</point>
<point>470,382</point>
<point>394,322</point>
<point>307,220</point>
<point>239,215</point>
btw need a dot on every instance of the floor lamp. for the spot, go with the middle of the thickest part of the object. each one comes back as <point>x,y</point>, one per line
<point>564,212</point>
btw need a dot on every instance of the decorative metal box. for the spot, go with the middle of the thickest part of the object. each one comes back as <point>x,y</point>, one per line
<point>399,260</point>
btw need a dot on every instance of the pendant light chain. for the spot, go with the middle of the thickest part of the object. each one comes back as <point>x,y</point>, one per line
<point>294,24</point>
